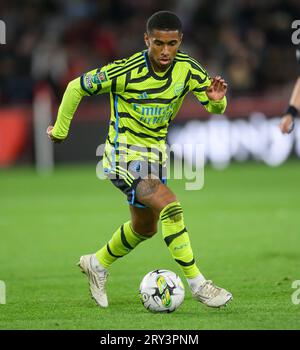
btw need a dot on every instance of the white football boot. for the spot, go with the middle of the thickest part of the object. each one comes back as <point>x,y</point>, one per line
<point>97,276</point>
<point>211,295</point>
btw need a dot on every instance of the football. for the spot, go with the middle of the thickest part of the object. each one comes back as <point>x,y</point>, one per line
<point>161,291</point>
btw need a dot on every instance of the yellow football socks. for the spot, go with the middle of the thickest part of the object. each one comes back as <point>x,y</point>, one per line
<point>177,239</point>
<point>121,243</point>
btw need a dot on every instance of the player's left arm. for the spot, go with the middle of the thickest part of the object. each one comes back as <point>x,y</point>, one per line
<point>211,92</point>
<point>216,94</point>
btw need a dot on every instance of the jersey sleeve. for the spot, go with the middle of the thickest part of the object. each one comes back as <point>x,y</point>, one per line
<point>102,80</point>
<point>94,82</point>
<point>199,82</point>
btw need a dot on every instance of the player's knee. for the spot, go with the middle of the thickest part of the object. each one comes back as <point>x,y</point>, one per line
<point>171,199</point>
<point>150,232</point>
<point>145,229</point>
<point>166,199</point>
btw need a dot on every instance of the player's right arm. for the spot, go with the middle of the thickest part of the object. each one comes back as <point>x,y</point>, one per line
<point>91,83</point>
<point>70,101</point>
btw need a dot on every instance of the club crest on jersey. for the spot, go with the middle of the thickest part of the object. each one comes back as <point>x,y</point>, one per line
<point>99,78</point>
<point>178,88</point>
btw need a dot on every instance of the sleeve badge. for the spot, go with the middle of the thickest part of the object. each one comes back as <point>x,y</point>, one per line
<point>99,78</point>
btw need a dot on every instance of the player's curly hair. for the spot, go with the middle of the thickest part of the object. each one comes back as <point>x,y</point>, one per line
<point>164,20</point>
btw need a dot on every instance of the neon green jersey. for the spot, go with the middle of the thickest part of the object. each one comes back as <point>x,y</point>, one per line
<point>143,103</point>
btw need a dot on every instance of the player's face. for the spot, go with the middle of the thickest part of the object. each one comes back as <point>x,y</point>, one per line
<point>162,47</point>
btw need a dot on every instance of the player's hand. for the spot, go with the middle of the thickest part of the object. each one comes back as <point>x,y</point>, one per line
<point>287,124</point>
<point>217,90</point>
<point>51,137</point>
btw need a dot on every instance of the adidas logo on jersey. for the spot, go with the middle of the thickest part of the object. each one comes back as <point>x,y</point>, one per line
<point>143,95</point>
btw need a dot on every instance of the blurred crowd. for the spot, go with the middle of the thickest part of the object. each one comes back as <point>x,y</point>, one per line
<point>246,41</point>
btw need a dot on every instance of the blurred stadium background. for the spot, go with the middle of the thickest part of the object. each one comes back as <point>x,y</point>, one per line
<point>50,42</point>
<point>247,237</point>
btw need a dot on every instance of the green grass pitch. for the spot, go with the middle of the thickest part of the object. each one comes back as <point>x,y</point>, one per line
<point>245,232</point>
